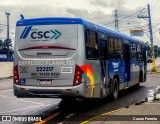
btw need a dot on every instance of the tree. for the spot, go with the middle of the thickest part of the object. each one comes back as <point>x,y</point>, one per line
<point>149,50</point>
<point>7,44</point>
<point>156,50</point>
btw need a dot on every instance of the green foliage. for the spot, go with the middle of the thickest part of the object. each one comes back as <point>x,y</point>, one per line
<point>156,50</point>
<point>4,45</point>
<point>148,50</point>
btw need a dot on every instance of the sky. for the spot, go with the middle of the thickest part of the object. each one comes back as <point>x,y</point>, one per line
<point>97,11</point>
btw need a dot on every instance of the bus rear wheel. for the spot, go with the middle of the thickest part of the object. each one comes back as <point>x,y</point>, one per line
<point>115,89</point>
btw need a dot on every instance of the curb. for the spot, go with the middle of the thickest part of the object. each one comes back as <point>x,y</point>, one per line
<point>116,110</point>
<point>3,78</point>
<point>158,73</point>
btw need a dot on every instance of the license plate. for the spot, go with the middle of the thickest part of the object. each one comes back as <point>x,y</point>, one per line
<point>45,82</point>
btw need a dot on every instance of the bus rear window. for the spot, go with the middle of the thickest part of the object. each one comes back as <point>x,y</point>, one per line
<point>47,35</point>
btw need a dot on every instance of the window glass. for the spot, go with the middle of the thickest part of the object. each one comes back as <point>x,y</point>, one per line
<point>118,48</point>
<point>139,48</point>
<point>133,51</point>
<point>111,48</point>
<point>103,49</point>
<point>140,52</point>
<point>92,51</point>
<point>133,56</point>
<point>133,47</point>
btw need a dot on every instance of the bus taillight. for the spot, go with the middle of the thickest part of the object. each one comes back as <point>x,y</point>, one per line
<point>16,76</point>
<point>77,76</point>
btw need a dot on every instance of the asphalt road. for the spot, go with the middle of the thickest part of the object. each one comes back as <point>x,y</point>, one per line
<point>87,109</point>
<point>11,105</point>
<point>69,112</point>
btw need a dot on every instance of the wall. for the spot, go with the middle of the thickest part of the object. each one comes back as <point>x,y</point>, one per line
<point>6,69</point>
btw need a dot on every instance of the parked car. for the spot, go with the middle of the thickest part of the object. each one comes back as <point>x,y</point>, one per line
<point>149,60</point>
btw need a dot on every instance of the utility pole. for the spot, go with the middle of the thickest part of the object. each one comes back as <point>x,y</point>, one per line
<point>151,33</point>
<point>151,36</point>
<point>116,20</point>
<point>8,40</point>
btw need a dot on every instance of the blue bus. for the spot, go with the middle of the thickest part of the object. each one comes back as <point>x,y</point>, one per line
<point>71,57</point>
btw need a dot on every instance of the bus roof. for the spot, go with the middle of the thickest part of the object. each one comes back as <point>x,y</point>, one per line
<point>65,20</point>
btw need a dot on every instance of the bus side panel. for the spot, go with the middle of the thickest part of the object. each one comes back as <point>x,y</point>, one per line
<point>92,76</point>
<point>135,70</point>
<point>81,56</point>
<point>117,68</point>
<point>93,90</point>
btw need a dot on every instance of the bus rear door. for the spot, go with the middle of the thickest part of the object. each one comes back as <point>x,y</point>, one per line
<point>127,64</point>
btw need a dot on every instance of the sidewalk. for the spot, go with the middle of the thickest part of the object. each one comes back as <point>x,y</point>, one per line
<point>145,113</point>
<point>6,69</point>
<point>136,113</point>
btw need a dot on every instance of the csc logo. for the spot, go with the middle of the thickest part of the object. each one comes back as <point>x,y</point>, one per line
<point>46,34</point>
<point>40,34</point>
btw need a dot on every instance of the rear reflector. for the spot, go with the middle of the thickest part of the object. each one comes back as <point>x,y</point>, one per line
<point>68,90</point>
<point>22,88</point>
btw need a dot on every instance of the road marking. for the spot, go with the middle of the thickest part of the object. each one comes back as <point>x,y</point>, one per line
<point>70,115</point>
<point>48,118</point>
<point>5,90</point>
<point>102,115</point>
<point>27,108</point>
<point>18,109</point>
<point>4,85</point>
<point>21,100</point>
<point>148,103</point>
<point>153,73</point>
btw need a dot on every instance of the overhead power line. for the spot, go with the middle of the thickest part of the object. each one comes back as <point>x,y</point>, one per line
<point>6,26</point>
<point>126,17</point>
<point>155,4</point>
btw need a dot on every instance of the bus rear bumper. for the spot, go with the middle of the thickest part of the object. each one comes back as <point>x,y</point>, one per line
<point>38,91</point>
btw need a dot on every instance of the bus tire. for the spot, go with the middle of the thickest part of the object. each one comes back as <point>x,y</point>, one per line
<point>67,104</point>
<point>137,86</point>
<point>115,90</point>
